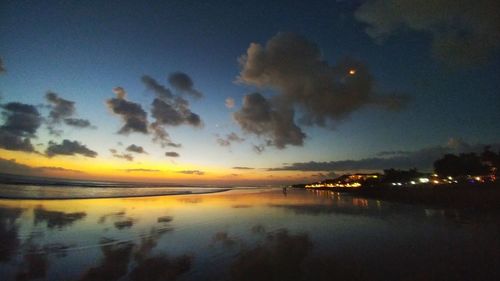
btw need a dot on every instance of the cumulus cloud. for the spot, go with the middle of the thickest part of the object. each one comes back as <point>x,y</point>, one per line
<point>323,94</point>
<point>259,116</point>
<point>229,102</point>
<point>172,154</point>
<point>183,83</point>
<point>67,147</point>
<point>170,110</point>
<point>62,110</point>
<point>125,156</point>
<point>192,172</point>
<point>421,159</point>
<point>136,149</point>
<point>462,32</point>
<point>132,114</point>
<point>230,138</point>
<point>20,126</point>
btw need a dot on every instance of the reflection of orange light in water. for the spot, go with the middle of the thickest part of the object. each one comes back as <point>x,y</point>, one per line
<point>360,202</point>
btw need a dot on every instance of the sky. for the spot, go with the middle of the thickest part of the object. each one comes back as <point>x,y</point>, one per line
<point>244,92</point>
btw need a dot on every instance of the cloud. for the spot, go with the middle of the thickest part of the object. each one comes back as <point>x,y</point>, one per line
<point>12,167</point>
<point>132,114</point>
<point>462,32</point>
<point>142,170</point>
<point>62,110</point>
<point>67,147</point>
<point>242,168</point>
<point>230,138</point>
<point>422,159</point>
<point>79,123</point>
<point>125,156</point>
<point>56,219</point>
<point>183,83</point>
<point>168,110</point>
<point>323,94</point>
<point>229,102</point>
<point>260,117</point>
<point>192,172</point>
<point>2,67</point>
<point>136,149</point>
<point>172,154</point>
<point>258,148</point>
<point>160,90</point>
<point>21,123</point>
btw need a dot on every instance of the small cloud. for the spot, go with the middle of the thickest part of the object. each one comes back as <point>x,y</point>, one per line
<point>243,168</point>
<point>192,172</point>
<point>79,123</point>
<point>258,148</point>
<point>142,170</point>
<point>183,83</point>
<point>172,154</point>
<point>68,147</point>
<point>131,113</point>
<point>230,138</point>
<point>125,156</point>
<point>229,102</point>
<point>136,149</point>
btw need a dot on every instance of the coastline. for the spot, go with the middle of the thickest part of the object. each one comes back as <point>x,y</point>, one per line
<point>460,196</point>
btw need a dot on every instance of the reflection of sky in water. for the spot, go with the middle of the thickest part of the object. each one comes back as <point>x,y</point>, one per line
<point>244,235</point>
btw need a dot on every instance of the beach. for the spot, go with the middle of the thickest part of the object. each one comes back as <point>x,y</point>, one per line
<point>245,234</point>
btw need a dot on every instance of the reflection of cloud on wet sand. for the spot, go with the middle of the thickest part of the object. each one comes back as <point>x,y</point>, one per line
<point>56,219</point>
<point>35,264</point>
<point>103,218</point>
<point>127,223</point>
<point>9,241</point>
<point>223,238</point>
<point>190,200</point>
<point>134,261</point>
<point>278,257</point>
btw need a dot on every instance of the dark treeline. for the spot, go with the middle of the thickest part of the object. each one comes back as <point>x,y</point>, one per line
<point>468,164</point>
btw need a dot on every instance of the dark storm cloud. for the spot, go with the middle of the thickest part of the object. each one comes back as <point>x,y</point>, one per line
<point>136,149</point>
<point>68,147</point>
<point>21,124</point>
<point>132,114</point>
<point>169,110</point>
<point>243,168</point>
<point>125,156</point>
<point>322,93</point>
<point>463,31</point>
<point>183,83</point>
<point>192,172</point>
<point>171,154</point>
<point>421,159</point>
<point>230,138</point>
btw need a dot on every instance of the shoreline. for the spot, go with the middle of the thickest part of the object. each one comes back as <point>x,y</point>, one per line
<point>461,196</point>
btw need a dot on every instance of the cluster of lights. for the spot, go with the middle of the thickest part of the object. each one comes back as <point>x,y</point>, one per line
<point>333,185</point>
